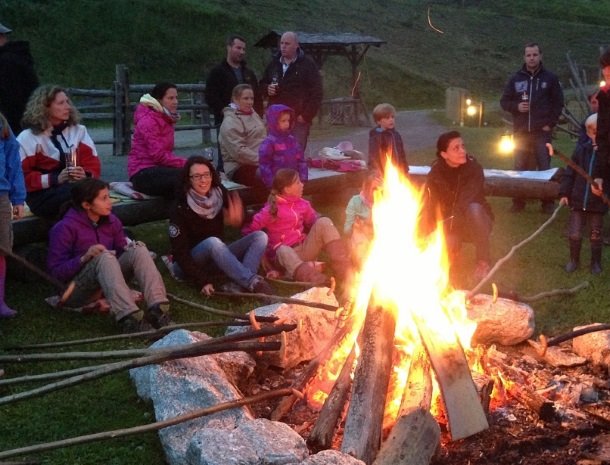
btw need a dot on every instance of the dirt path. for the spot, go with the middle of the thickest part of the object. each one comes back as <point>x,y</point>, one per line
<point>417,128</point>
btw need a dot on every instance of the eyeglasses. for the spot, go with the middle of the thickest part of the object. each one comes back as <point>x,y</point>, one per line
<point>199,177</point>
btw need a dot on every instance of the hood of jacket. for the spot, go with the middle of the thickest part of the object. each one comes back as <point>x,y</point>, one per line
<point>150,106</point>
<point>273,115</point>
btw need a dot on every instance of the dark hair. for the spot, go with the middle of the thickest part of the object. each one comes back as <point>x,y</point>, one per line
<point>160,89</point>
<point>185,180</point>
<point>232,38</point>
<point>532,45</point>
<point>86,190</point>
<point>283,178</point>
<point>604,59</point>
<point>443,141</point>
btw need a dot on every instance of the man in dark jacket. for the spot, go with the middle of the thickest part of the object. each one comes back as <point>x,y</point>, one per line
<point>226,75</point>
<point>17,78</point>
<point>293,79</point>
<point>534,97</point>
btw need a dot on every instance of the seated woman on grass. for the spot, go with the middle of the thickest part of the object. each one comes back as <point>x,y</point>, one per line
<point>197,230</point>
<point>56,150</point>
<point>152,166</point>
<point>88,246</point>
<point>297,234</point>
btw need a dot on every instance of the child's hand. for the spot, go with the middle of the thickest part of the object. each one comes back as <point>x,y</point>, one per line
<point>597,187</point>
<point>207,289</point>
<point>563,201</point>
<point>17,211</point>
<point>234,213</point>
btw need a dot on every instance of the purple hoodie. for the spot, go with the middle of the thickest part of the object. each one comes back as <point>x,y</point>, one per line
<point>280,149</point>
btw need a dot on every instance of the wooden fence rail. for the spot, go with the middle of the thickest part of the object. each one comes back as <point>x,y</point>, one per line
<point>115,106</point>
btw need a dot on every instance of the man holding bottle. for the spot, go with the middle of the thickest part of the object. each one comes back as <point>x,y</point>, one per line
<point>534,97</point>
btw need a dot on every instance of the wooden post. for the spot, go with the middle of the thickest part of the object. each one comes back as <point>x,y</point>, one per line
<point>122,124</point>
<point>364,422</point>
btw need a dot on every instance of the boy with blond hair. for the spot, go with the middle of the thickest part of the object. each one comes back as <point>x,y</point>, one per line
<point>385,142</point>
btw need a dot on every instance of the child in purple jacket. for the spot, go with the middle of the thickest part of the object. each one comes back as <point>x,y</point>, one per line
<point>280,148</point>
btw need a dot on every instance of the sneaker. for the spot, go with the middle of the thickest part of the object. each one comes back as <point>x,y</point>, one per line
<point>131,324</point>
<point>168,261</point>
<point>481,270</point>
<point>261,286</point>
<point>158,315</point>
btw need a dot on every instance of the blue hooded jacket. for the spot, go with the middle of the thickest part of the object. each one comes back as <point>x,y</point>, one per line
<point>11,175</point>
<point>280,149</point>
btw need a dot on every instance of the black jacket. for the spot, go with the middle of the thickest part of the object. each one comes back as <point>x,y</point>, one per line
<point>544,94</point>
<point>385,142</point>
<point>601,169</point>
<point>450,190</point>
<point>300,88</point>
<point>575,187</point>
<point>18,80</point>
<point>219,87</point>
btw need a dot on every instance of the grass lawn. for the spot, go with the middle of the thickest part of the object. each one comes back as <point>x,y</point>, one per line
<point>111,403</point>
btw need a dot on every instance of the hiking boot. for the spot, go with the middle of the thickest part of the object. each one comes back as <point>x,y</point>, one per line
<point>260,286</point>
<point>133,324</point>
<point>574,262</point>
<point>596,259</point>
<point>231,288</point>
<point>158,315</point>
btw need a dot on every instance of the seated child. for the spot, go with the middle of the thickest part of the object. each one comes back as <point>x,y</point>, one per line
<point>385,141</point>
<point>584,207</point>
<point>286,217</point>
<point>358,225</point>
<point>280,148</point>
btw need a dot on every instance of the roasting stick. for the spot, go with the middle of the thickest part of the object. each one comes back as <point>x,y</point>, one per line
<point>65,291</point>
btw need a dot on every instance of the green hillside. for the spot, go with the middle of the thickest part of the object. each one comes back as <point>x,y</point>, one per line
<point>77,42</point>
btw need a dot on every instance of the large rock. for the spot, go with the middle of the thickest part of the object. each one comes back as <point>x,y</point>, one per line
<point>251,443</point>
<point>315,327</point>
<point>331,457</point>
<point>593,346</point>
<point>505,322</point>
<point>182,386</point>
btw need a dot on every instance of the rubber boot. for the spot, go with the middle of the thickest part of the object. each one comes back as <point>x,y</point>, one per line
<point>596,258</point>
<point>306,272</point>
<point>5,310</point>
<point>574,262</point>
<point>339,259</point>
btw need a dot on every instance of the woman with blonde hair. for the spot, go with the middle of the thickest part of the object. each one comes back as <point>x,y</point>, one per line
<point>55,151</point>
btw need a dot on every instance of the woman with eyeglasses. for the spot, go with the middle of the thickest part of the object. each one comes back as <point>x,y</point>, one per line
<point>196,231</point>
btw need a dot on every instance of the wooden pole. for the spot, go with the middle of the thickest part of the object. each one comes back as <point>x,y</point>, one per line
<point>193,350</point>
<point>278,298</point>
<point>144,428</point>
<point>217,311</point>
<point>364,421</point>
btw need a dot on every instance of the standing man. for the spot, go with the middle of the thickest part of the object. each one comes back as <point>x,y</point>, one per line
<point>18,78</point>
<point>226,75</point>
<point>534,97</point>
<point>293,79</point>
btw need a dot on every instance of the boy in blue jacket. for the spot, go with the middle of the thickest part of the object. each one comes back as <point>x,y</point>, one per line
<point>584,205</point>
<point>280,149</point>
<point>385,141</point>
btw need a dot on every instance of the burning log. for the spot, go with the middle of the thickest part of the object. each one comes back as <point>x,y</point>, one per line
<point>413,441</point>
<point>321,435</point>
<point>363,426</point>
<point>544,408</point>
<point>464,411</point>
<point>418,391</point>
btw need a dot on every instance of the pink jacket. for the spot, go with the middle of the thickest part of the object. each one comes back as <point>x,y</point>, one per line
<point>152,142</point>
<point>294,216</point>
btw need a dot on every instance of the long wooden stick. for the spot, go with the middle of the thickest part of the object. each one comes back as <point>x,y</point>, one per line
<point>50,375</point>
<point>278,298</point>
<point>145,428</point>
<point>217,311</point>
<point>150,334</point>
<point>193,350</point>
<point>113,354</point>
<point>512,251</point>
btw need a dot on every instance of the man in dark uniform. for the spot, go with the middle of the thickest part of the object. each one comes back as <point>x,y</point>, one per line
<point>17,78</point>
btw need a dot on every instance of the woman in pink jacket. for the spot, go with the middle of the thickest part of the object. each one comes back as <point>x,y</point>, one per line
<point>297,234</point>
<point>152,166</point>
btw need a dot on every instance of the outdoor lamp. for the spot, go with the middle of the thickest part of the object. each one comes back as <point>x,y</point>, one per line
<point>602,83</point>
<point>507,144</point>
<point>471,110</point>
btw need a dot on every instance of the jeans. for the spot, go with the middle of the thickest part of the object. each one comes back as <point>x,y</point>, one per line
<point>239,260</point>
<point>531,154</point>
<point>473,226</point>
<point>107,275</point>
<point>321,233</point>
